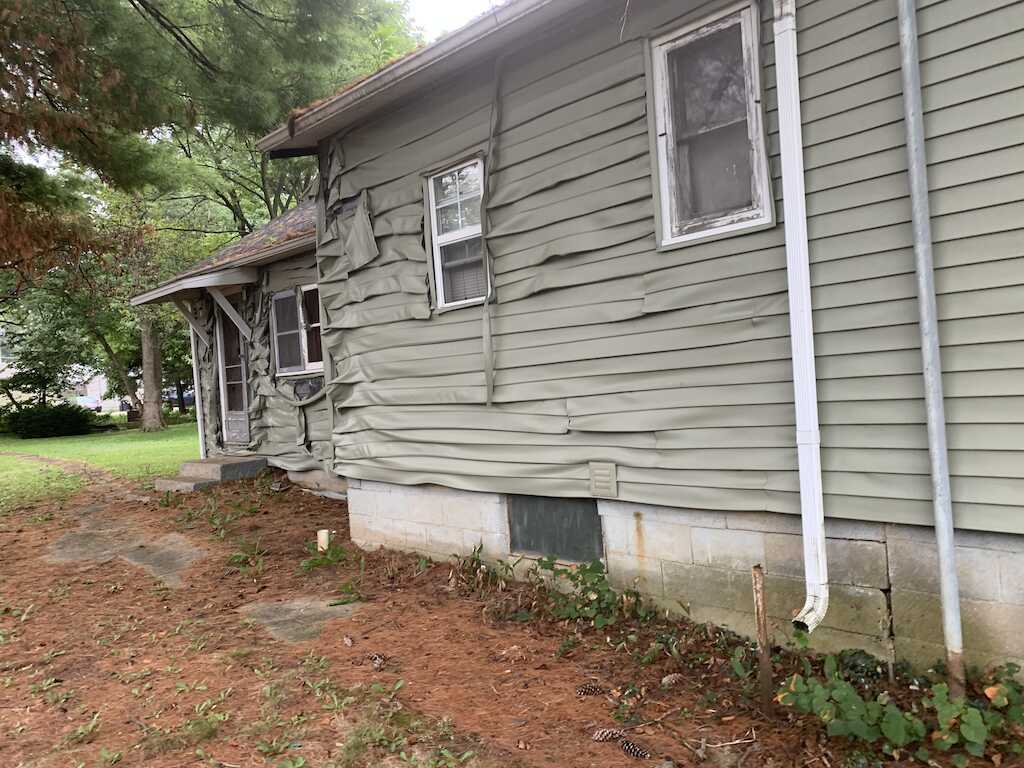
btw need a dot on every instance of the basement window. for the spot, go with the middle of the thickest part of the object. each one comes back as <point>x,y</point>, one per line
<point>295,324</point>
<point>712,163</point>
<point>455,198</point>
<point>567,529</point>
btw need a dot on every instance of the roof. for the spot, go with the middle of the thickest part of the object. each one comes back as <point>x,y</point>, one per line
<point>485,36</point>
<point>290,234</point>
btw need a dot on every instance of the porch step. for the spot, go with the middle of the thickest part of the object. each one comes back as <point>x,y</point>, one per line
<point>182,484</point>
<point>221,468</point>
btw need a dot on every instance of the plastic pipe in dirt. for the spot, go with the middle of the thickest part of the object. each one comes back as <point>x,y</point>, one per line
<point>934,407</point>
<point>808,436</point>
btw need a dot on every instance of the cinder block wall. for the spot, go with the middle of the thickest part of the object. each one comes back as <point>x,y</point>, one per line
<point>884,585</point>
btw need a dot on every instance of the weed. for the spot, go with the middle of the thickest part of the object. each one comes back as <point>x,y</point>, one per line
<point>567,646</point>
<point>588,597</point>
<point>85,733</point>
<point>110,758</point>
<point>957,726</point>
<point>276,746</point>
<point>335,554</point>
<point>248,560</point>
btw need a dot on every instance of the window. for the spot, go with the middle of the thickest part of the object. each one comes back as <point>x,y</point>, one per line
<point>455,206</point>
<point>712,165</point>
<point>567,529</point>
<point>296,331</point>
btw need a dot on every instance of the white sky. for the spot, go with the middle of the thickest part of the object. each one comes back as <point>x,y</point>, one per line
<point>435,17</point>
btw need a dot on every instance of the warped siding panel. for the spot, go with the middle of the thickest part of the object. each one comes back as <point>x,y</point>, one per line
<point>675,365</point>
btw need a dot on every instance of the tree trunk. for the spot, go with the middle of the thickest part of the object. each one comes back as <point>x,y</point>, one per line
<point>130,388</point>
<point>151,376</point>
<point>182,408</point>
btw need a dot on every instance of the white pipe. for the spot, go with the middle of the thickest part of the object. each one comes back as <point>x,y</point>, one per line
<point>808,436</point>
<point>323,540</point>
<point>198,389</point>
<point>917,166</point>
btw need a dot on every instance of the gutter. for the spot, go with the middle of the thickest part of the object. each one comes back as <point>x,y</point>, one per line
<point>808,435</point>
<point>917,164</point>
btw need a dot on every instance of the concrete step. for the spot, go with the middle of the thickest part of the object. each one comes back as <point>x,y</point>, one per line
<point>221,468</point>
<point>182,484</point>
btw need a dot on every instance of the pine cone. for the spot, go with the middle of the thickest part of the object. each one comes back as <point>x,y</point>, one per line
<point>668,681</point>
<point>378,660</point>
<point>634,750</point>
<point>590,689</point>
<point>608,734</point>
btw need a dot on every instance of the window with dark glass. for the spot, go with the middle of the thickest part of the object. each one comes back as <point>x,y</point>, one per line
<point>712,165</point>
<point>296,330</point>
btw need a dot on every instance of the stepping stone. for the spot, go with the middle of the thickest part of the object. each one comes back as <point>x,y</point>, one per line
<point>166,558</point>
<point>295,621</point>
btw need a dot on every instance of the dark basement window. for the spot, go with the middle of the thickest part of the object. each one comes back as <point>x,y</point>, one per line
<point>568,529</point>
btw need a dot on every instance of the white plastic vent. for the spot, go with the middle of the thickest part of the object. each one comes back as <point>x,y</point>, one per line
<point>603,481</point>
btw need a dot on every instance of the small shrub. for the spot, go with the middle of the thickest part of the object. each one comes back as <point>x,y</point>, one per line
<point>589,596</point>
<point>58,420</point>
<point>335,554</point>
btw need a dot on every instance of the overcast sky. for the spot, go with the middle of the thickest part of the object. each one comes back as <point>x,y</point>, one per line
<point>435,17</point>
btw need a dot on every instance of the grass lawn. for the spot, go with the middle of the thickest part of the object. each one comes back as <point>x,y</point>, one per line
<point>132,454</point>
<point>23,481</point>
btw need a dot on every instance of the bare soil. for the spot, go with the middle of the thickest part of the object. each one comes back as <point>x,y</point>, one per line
<point>103,663</point>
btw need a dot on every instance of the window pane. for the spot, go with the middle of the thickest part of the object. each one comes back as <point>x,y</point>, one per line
<point>311,306</point>
<point>314,349</point>
<point>232,342</point>
<point>286,314</point>
<point>289,350</point>
<point>469,181</point>
<point>236,397</point>
<point>720,172</point>
<point>708,82</point>
<point>448,219</point>
<point>471,211</point>
<point>462,268</point>
<point>446,188</point>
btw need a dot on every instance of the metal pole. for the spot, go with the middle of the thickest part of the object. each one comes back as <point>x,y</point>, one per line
<point>932,363</point>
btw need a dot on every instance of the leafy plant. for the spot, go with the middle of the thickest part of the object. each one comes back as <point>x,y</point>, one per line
<point>248,560</point>
<point>335,554</point>
<point>588,596</point>
<point>957,725</point>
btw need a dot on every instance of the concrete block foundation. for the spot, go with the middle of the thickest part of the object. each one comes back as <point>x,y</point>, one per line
<point>884,588</point>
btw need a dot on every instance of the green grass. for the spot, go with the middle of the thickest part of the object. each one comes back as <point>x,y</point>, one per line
<point>132,454</point>
<point>23,482</point>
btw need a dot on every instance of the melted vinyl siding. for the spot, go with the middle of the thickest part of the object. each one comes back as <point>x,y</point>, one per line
<point>675,365</point>
<point>874,440</point>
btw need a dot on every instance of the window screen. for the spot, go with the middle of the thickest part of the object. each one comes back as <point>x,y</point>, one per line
<point>713,167</point>
<point>569,529</point>
<point>311,315</point>
<point>455,202</point>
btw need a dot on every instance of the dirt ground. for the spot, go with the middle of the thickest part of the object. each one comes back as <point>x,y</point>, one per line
<point>168,631</point>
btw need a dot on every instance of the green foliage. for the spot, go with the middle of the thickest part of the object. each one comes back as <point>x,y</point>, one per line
<point>936,721</point>
<point>335,554</point>
<point>587,595</point>
<point>248,560</point>
<point>59,420</point>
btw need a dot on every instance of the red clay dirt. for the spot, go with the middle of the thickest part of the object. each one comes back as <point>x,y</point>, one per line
<point>147,658</point>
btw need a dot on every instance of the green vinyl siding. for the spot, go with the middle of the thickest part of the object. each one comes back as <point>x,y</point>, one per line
<point>675,365</point>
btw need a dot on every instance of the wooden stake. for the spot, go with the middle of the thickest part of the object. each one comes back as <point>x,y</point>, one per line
<point>764,647</point>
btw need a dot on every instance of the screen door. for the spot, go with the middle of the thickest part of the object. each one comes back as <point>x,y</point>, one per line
<point>234,377</point>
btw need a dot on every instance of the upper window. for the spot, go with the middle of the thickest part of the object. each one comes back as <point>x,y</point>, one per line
<point>713,169</point>
<point>296,331</point>
<point>455,206</point>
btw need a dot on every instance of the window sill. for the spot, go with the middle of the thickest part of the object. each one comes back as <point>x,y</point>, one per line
<point>717,233</point>
<point>297,374</point>
<point>442,308</point>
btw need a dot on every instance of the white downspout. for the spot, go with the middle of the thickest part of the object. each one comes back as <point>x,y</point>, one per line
<point>808,436</point>
<point>198,389</point>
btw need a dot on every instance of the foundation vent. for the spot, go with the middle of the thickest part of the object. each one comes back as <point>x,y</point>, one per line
<point>603,481</point>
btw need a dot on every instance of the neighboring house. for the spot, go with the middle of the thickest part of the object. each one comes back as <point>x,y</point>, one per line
<point>558,299</point>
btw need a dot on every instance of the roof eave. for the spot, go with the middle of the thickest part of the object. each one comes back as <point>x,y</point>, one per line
<point>307,129</point>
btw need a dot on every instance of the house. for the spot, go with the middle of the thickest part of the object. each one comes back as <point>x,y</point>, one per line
<point>665,283</point>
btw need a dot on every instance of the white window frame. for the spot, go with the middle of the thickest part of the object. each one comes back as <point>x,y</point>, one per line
<point>762,211</point>
<point>298,295</point>
<point>466,233</point>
